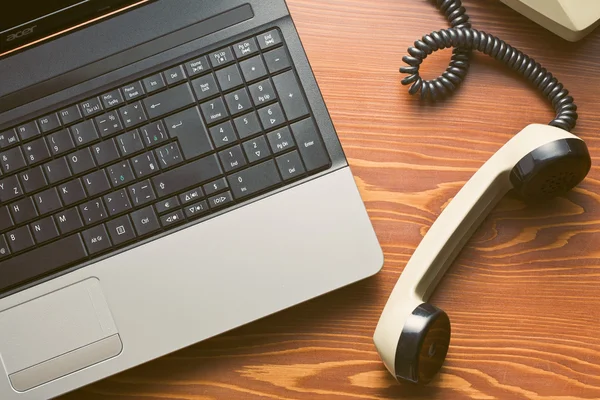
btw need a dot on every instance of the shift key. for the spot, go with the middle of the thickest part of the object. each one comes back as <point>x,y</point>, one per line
<point>255,179</point>
<point>169,101</point>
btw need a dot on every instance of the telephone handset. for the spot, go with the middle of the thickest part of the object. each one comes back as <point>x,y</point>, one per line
<point>540,162</point>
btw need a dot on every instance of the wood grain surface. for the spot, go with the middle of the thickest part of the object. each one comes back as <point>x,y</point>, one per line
<point>523,296</point>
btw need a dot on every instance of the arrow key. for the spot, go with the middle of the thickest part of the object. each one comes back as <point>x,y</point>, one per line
<point>191,196</point>
<point>172,218</point>
<point>271,116</point>
<point>196,210</point>
<point>256,149</point>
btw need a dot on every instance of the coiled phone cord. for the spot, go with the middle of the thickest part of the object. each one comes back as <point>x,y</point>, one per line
<point>463,39</point>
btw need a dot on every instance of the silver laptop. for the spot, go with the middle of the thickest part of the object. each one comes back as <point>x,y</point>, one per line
<point>169,172</point>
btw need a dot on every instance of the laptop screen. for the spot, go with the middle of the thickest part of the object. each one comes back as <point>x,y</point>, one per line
<point>26,22</point>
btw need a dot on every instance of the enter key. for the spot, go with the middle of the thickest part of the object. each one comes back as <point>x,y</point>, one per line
<point>189,128</point>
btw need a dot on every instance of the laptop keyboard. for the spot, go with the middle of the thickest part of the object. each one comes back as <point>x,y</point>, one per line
<point>145,157</point>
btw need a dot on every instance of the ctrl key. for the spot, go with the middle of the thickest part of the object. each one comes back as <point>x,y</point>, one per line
<point>96,239</point>
<point>145,221</point>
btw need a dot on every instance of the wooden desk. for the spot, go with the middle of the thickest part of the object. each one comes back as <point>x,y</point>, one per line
<point>523,297</point>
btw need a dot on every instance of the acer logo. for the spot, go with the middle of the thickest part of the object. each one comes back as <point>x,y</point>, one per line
<point>21,33</point>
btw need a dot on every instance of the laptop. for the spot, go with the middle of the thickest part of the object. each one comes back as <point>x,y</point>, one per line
<point>169,172</point>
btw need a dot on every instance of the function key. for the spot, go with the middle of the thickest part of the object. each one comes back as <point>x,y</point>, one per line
<point>91,107</point>
<point>112,99</point>
<point>154,83</point>
<point>245,48</point>
<point>197,66</point>
<point>133,91</point>
<point>70,115</point>
<point>28,130</point>
<point>8,138</point>
<point>221,57</point>
<point>277,60</point>
<point>174,75</point>
<point>49,123</point>
<point>269,39</point>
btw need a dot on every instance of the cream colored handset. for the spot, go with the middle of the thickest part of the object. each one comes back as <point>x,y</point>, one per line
<point>412,336</point>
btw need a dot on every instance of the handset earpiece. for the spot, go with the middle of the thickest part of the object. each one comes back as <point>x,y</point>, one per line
<point>412,337</point>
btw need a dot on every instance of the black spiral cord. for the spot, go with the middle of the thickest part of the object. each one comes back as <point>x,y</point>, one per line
<point>464,39</point>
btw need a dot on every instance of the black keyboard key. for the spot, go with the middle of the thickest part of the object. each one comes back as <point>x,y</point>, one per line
<point>154,133</point>
<point>144,165</point>
<point>96,183</point>
<point>84,133</point>
<point>41,261</point>
<point>290,165</point>
<point>117,202</point>
<point>60,142</point>
<point>311,147</point>
<point>36,151</point>
<point>49,123</point>
<point>33,179</point>
<point>256,149</point>
<point>167,205</point>
<point>271,116</point>
<point>12,160</point>
<point>247,125</point>
<point>5,219</point>
<point>71,192</point>
<point>109,124</point>
<point>81,161</point>
<point>168,155</point>
<point>221,57</point>
<point>153,83</point>
<point>223,134</point>
<point>253,68</point>
<point>68,220</point>
<point>93,211</point>
<point>132,114</point>
<point>290,95</point>
<point>4,250</point>
<point>172,218</point>
<point>120,230</point>
<point>70,115</point>
<point>21,239</point>
<point>8,138</point>
<point>197,66</point>
<point>141,193</point>
<point>28,130</point>
<point>262,92</point>
<point>120,174</point>
<point>269,39</point>
<point>105,152</point>
<point>112,99</point>
<point>57,170</point>
<point>191,196</point>
<point>23,210</point>
<point>44,230</point>
<point>232,158</point>
<point>130,142</point>
<point>254,179</point>
<point>168,101</point>
<point>145,221</point>
<point>10,188</point>
<point>215,186</point>
<point>47,201</point>
<point>277,60</point>
<point>205,87</point>
<point>196,210</point>
<point>96,239</point>
<point>238,101</point>
<point>132,91</point>
<point>214,111</point>
<point>220,200</point>
<point>91,107</point>
<point>188,127</point>
<point>281,140</point>
<point>188,175</point>
<point>229,78</point>
<point>245,48</point>
<point>174,75</point>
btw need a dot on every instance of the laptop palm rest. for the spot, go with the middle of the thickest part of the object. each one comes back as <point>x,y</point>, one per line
<point>57,334</point>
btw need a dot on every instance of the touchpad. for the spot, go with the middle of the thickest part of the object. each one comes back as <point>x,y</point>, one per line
<point>57,334</point>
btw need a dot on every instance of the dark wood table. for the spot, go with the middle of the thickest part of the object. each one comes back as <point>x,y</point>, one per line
<point>523,296</point>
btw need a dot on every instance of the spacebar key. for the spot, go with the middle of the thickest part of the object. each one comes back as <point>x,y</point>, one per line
<point>255,179</point>
<point>41,261</point>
